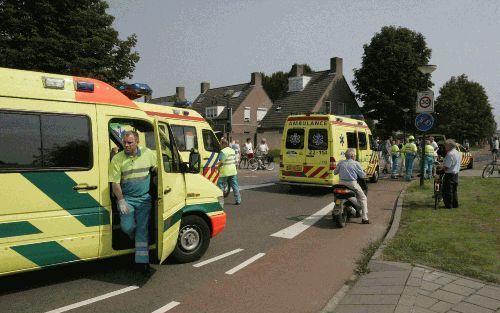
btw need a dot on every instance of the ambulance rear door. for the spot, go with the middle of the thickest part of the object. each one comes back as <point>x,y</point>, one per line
<point>317,159</point>
<point>294,150</point>
<point>363,153</point>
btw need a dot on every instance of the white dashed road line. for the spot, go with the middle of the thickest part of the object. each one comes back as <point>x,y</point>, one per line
<point>297,228</point>
<point>244,264</point>
<point>217,258</point>
<point>247,187</point>
<point>92,300</point>
<point>167,307</point>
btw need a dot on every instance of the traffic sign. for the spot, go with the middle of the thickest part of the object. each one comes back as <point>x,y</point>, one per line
<point>425,101</point>
<point>424,122</point>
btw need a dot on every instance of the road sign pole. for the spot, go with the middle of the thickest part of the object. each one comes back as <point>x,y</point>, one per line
<point>422,160</point>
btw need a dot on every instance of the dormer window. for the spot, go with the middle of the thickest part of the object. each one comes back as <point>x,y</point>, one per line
<point>298,83</point>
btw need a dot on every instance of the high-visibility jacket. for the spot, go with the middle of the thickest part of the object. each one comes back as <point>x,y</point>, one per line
<point>429,150</point>
<point>410,148</point>
<point>228,162</point>
<point>395,150</point>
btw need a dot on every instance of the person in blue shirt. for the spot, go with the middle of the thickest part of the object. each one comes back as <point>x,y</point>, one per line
<point>349,171</point>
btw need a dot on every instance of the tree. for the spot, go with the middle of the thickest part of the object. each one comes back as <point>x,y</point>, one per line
<point>65,37</point>
<point>463,110</point>
<point>276,85</point>
<point>388,79</point>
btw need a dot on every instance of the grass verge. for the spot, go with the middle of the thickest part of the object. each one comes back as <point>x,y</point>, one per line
<point>465,241</point>
<point>366,254</point>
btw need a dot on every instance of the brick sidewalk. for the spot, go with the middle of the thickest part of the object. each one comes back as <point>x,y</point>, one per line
<point>393,287</point>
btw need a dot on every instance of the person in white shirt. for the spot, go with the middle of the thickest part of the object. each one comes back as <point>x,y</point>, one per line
<point>263,148</point>
<point>451,167</point>
<point>235,145</point>
<point>495,147</point>
<point>248,148</point>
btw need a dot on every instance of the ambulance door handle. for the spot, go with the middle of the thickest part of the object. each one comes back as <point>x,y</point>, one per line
<point>206,158</point>
<point>84,187</point>
<point>167,190</point>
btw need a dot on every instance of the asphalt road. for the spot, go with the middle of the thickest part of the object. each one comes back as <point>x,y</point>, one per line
<point>299,274</point>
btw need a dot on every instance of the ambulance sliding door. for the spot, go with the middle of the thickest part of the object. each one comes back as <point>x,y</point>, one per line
<point>363,152</point>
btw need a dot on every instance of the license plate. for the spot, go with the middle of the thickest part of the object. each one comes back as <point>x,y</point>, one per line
<point>294,168</point>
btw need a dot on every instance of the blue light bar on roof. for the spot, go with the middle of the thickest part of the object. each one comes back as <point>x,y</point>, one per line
<point>136,90</point>
<point>84,86</point>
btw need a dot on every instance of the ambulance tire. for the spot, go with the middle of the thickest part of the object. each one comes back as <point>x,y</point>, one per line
<point>470,165</point>
<point>193,240</point>
<point>374,177</point>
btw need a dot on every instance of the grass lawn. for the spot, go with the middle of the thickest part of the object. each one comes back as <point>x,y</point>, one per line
<point>465,241</point>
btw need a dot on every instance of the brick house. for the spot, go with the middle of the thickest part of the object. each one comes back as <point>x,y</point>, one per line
<point>249,103</point>
<point>321,91</point>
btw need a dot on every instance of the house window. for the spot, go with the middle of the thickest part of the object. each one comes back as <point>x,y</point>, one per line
<point>341,108</point>
<point>236,94</point>
<point>261,112</point>
<point>246,116</point>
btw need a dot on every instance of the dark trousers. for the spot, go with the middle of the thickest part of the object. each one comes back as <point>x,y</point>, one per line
<point>450,196</point>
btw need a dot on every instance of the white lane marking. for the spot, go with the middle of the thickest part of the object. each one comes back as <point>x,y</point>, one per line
<point>256,186</point>
<point>92,300</point>
<point>167,307</point>
<point>244,264</point>
<point>297,228</point>
<point>217,258</point>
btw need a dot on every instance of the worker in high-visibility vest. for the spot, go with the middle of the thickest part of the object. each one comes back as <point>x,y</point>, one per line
<point>428,159</point>
<point>395,153</point>
<point>227,168</point>
<point>410,151</point>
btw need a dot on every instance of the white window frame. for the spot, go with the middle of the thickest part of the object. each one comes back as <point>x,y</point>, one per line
<point>247,114</point>
<point>261,116</point>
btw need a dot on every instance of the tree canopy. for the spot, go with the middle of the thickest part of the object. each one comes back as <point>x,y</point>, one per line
<point>65,37</point>
<point>463,110</point>
<point>388,79</point>
<point>276,84</point>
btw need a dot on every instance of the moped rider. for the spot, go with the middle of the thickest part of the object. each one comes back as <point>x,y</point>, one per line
<point>349,171</point>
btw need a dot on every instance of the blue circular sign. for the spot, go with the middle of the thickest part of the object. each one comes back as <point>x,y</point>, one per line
<point>424,122</point>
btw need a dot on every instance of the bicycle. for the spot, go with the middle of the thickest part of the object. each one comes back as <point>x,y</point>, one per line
<point>438,189</point>
<point>264,162</point>
<point>490,168</point>
<point>244,161</point>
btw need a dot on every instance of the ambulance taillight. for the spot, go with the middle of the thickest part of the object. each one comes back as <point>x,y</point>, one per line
<point>333,163</point>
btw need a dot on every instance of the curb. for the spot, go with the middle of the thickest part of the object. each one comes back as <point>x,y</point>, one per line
<point>390,233</point>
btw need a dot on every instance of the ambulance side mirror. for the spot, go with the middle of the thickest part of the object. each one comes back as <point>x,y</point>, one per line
<point>194,161</point>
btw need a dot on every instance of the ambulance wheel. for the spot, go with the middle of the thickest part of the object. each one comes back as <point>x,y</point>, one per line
<point>374,177</point>
<point>193,240</point>
<point>340,219</point>
<point>470,165</point>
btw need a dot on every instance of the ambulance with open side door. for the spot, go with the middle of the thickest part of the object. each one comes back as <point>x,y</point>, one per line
<point>58,134</point>
<point>312,144</point>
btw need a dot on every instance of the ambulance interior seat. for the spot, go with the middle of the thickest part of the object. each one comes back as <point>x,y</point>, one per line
<point>120,240</point>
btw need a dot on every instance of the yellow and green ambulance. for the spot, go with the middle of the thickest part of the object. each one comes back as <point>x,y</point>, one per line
<point>312,144</point>
<point>58,134</point>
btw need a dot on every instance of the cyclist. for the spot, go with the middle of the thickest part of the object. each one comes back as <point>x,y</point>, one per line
<point>262,151</point>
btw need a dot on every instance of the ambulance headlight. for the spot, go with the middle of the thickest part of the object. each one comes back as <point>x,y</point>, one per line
<point>221,201</point>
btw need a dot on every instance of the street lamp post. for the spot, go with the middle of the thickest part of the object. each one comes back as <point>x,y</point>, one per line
<point>425,69</point>
<point>405,116</point>
<point>229,111</point>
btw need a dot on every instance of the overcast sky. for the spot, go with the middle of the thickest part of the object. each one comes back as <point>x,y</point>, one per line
<point>182,43</point>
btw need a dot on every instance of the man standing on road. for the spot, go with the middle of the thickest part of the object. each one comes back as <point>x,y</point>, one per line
<point>410,151</point>
<point>395,158</point>
<point>494,148</point>
<point>349,171</point>
<point>387,156</point>
<point>129,175</point>
<point>227,168</point>
<point>428,160</point>
<point>451,165</point>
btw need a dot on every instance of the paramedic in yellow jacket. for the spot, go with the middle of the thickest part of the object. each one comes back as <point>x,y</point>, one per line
<point>129,174</point>
<point>428,159</point>
<point>227,167</point>
<point>395,154</point>
<point>410,151</point>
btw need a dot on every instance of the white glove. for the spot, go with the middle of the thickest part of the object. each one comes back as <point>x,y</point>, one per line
<point>123,207</point>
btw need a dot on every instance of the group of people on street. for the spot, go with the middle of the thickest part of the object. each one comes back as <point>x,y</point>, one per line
<point>399,156</point>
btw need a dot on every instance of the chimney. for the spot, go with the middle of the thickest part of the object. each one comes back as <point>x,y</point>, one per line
<point>256,79</point>
<point>204,87</point>
<point>336,66</point>
<point>297,70</point>
<point>179,92</point>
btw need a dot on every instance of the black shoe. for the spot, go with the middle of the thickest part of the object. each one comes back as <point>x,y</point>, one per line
<point>143,268</point>
<point>365,221</point>
<point>237,203</point>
